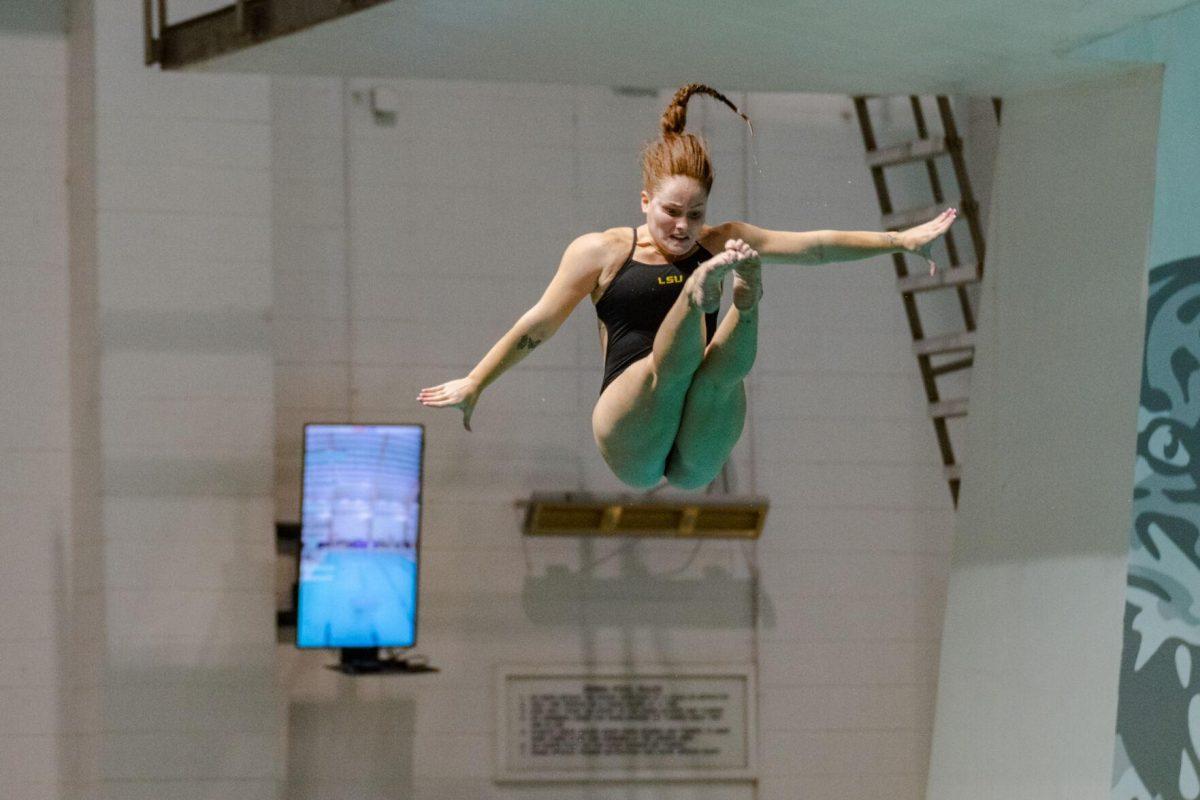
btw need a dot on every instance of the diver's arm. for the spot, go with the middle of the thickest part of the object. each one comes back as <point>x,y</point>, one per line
<point>830,246</point>
<point>577,275</point>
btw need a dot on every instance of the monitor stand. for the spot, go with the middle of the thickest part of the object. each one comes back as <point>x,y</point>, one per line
<point>366,661</point>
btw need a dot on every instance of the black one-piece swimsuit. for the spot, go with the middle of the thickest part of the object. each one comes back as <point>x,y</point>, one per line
<point>635,304</point>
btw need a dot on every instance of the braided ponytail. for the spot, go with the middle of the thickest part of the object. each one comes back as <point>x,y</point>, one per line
<point>675,117</point>
<point>677,152</point>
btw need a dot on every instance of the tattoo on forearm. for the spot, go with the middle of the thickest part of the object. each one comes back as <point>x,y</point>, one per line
<point>527,342</point>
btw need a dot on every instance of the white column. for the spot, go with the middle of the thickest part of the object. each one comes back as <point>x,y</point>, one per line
<point>1031,646</point>
<point>34,439</point>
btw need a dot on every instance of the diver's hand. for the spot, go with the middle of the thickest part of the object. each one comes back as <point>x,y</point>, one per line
<point>919,239</point>
<point>461,393</point>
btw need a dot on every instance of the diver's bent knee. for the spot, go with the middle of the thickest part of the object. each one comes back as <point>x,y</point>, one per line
<point>688,482</point>
<point>639,480</point>
<point>636,476</point>
<point>683,479</point>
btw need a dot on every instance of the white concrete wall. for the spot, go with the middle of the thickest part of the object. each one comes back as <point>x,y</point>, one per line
<point>310,319</point>
<point>172,420</point>
<point>404,250</point>
<point>1032,641</point>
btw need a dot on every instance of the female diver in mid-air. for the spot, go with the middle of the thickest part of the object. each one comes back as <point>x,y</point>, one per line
<point>672,403</point>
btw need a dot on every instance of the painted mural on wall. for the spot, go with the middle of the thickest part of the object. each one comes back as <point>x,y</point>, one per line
<point>1158,713</point>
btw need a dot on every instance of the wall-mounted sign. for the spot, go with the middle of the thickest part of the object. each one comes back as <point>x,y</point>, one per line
<point>580,724</point>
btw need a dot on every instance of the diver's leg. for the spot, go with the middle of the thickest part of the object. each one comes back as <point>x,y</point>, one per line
<point>637,417</point>
<point>714,409</point>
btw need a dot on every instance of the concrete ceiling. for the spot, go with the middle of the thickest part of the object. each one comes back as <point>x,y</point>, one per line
<point>44,16</point>
<point>987,47</point>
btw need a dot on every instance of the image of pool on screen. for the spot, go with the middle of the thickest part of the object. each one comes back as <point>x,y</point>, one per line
<point>360,531</point>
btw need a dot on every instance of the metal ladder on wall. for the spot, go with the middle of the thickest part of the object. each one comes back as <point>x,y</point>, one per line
<point>951,352</point>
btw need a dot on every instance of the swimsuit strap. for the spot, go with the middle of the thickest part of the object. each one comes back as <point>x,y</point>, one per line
<point>633,247</point>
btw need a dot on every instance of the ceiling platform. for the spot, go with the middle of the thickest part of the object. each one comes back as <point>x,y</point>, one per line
<point>854,47</point>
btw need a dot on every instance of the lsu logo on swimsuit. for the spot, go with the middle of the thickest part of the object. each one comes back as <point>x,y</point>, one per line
<point>668,279</point>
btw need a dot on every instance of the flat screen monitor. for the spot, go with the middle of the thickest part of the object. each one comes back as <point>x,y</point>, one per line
<point>360,530</point>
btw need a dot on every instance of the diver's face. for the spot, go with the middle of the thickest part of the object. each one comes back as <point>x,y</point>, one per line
<point>675,214</point>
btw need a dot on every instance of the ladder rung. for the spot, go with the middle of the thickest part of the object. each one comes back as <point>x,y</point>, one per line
<point>918,150</point>
<point>899,220</point>
<point>944,344</point>
<point>949,408</point>
<point>952,366</point>
<point>953,472</point>
<point>955,276</point>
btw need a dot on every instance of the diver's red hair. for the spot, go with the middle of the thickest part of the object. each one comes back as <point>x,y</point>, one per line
<point>676,152</point>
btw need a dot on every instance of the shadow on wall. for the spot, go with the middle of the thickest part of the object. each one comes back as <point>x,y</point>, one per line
<point>638,597</point>
<point>365,742</point>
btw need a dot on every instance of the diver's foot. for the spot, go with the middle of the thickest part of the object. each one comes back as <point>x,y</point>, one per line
<point>747,283</point>
<point>703,287</point>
